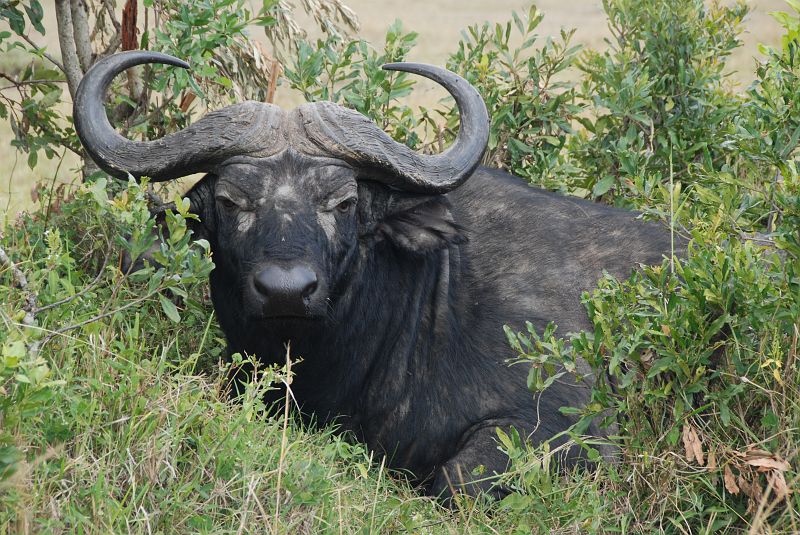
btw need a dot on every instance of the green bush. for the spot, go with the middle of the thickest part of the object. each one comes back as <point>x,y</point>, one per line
<point>657,96</point>
<point>695,360</point>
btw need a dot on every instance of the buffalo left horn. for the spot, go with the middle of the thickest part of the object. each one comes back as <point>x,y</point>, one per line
<point>245,128</point>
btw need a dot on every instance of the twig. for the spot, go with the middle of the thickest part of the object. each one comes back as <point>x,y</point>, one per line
<point>100,26</point>
<point>282,455</point>
<point>109,7</point>
<point>113,45</point>
<point>273,81</point>
<point>22,283</point>
<point>52,188</point>
<point>83,291</point>
<point>17,83</point>
<point>375,498</point>
<point>98,317</point>
<point>50,58</point>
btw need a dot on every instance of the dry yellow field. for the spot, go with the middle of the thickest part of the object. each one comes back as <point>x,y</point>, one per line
<point>439,23</point>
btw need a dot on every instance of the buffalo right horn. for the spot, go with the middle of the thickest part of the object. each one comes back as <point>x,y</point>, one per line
<point>246,128</point>
<point>347,134</point>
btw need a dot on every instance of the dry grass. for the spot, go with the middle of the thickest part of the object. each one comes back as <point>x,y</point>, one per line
<point>439,24</point>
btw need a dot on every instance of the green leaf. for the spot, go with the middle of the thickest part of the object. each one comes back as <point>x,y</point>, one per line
<point>35,14</point>
<point>603,185</point>
<point>769,420</point>
<point>16,20</point>
<point>169,309</point>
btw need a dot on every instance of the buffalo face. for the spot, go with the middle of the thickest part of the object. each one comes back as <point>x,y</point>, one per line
<point>288,232</point>
<point>285,231</point>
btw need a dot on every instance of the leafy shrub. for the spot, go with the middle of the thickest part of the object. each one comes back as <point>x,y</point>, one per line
<point>226,63</point>
<point>531,105</point>
<point>657,96</point>
<point>349,72</point>
<point>696,359</point>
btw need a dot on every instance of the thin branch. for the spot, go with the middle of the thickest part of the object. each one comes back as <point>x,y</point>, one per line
<point>50,58</point>
<point>31,82</point>
<point>17,83</point>
<point>52,189</point>
<point>22,283</point>
<point>113,45</point>
<point>66,41</point>
<point>80,33</point>
<point>109,7</point>
<point>83,291</point>
<point>98,317</point>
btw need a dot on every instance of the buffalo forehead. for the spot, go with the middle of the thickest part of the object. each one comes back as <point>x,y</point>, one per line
<point>286,177</point>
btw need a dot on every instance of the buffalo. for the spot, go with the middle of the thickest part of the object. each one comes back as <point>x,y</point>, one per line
<point>390,273</point>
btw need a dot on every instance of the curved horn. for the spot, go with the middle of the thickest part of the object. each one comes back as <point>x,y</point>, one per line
<point>349,135</point>
<point>239,129</point>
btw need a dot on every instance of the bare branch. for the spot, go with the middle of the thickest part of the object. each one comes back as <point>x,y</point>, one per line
<point>91,285</point>
<point>273,80</point>
<point>66,41</point>
<point>50,58</point>
<point>22,283</point>
<point>113,45</point>
<point>109,7</point>
<point>100,316</point>
<point>80,33</point>
<point>18,83</point>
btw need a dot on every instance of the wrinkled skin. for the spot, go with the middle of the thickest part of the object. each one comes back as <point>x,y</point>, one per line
<point>402,342</point>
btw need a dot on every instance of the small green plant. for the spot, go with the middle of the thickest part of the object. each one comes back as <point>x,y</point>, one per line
<point>531,103</point>
<point>349,72</point>
<point>657,96</point>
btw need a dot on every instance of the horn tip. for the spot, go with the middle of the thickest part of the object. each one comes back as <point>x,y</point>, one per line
<point>400,66</point>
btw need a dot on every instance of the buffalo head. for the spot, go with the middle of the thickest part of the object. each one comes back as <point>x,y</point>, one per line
<point>290,196</point>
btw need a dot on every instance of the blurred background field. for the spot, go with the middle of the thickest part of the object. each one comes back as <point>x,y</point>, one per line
<point>438,22</point>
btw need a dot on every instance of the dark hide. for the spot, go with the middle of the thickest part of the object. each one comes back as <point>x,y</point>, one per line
<point>407,350</point>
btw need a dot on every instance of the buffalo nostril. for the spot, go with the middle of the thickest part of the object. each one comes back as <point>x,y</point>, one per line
<point>268,280</point>
<point>293,284</point>
<point>306,279</point>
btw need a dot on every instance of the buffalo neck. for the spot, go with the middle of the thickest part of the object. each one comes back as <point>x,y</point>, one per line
<point>395,303</point>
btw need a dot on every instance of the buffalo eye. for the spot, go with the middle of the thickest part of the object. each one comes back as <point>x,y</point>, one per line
<point>226,203</point>
<point>346,205</point>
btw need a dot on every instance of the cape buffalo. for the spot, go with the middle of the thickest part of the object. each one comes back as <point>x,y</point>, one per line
<point>390,272</point>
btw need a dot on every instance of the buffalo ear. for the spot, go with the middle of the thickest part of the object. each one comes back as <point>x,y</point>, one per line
<point>421,227</point>
<point>201,203</point>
